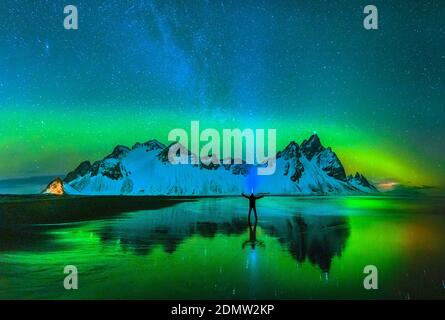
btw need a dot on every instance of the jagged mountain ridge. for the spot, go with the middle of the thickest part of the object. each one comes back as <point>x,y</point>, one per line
<point>144,169</point>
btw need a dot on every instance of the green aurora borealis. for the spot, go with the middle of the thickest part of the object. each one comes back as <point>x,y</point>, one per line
<point>137,69</point>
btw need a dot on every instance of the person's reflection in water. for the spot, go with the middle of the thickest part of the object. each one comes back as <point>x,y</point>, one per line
<point>252,237</point>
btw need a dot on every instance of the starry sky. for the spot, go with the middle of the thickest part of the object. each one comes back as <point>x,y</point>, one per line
<point>134,70</point>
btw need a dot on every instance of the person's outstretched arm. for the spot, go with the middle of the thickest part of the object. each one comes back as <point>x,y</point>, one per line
<point>244,195</point>
<point>259,197</point>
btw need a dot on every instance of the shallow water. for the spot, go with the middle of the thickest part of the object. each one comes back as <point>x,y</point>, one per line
<point>302,247</point>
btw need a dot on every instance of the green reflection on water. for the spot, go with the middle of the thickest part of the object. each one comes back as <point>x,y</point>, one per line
<point>306,248</point>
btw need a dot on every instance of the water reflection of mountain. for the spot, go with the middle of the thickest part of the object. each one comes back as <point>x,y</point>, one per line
<point>145,230</point>
<point>316,238</point>
<point>306,237</point>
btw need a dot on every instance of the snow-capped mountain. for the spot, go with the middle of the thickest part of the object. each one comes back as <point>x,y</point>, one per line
<point>144,169</point>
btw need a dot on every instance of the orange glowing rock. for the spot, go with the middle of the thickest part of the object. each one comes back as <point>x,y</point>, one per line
<point>55,187</point>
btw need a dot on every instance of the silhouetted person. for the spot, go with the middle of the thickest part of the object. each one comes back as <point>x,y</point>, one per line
<point>252,237</point>
<point>252,199</point>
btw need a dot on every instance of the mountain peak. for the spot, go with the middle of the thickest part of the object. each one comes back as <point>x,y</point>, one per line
<point>312,146</point>
<point>118,152</point>
<point>314,139</point>
<point>314,136</point>
<point>360,181</point>
<point>292,144</point>
<point>151,144</point>
<point>154,144</point>
<point>291,151</point>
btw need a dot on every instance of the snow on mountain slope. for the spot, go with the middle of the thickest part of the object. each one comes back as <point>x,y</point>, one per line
<point>145,170</point>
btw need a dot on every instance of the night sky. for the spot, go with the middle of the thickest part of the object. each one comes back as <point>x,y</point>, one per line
<point>134,70</point>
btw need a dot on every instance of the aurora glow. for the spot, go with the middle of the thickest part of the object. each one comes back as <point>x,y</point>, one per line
<point>136,69</point>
